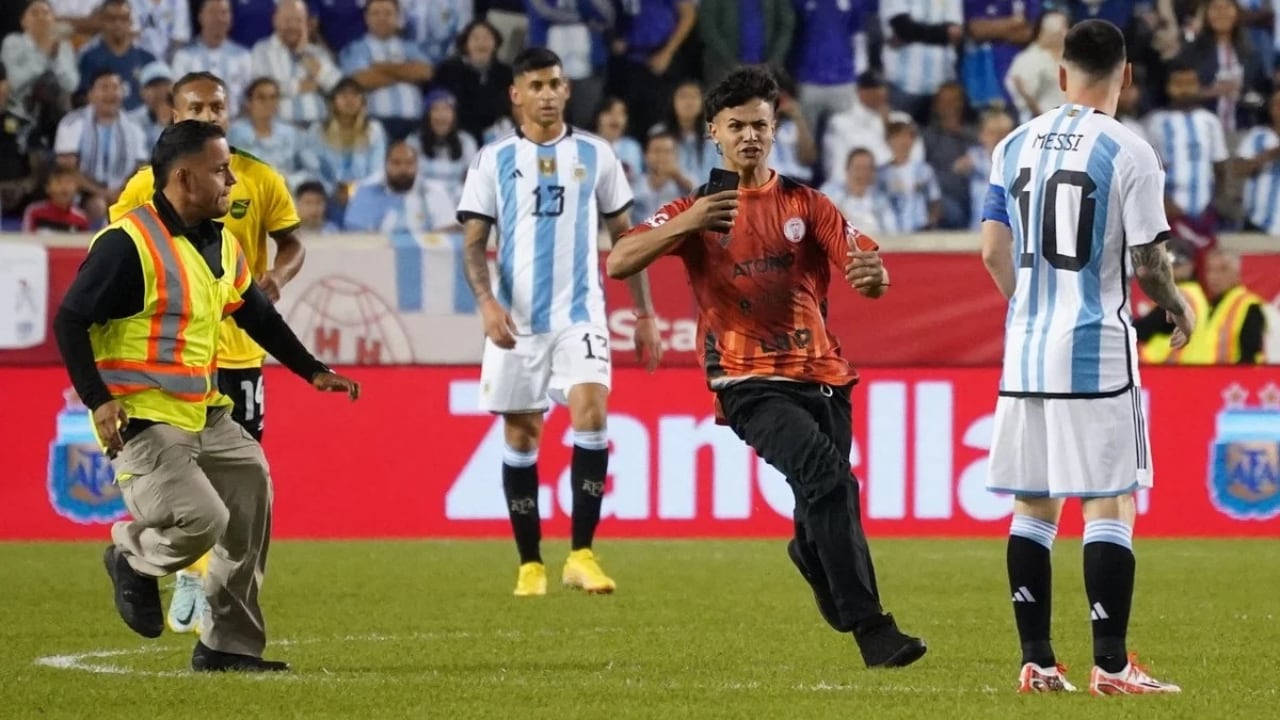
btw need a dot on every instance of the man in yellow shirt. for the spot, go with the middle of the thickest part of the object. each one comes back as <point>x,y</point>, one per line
<point>260,206</point>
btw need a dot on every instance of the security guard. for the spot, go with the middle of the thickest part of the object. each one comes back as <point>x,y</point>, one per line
<point>260,207</point>
<point>138,331</point>
<point>1233,325</point>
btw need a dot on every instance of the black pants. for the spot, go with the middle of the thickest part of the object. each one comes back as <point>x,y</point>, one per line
<point>805,430</point>
<point>245,388</point>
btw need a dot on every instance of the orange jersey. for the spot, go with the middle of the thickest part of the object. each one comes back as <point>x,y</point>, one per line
<point>762,288</point>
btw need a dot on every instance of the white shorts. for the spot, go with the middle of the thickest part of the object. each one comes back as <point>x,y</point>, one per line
<point>1070,447</point>
<point>542,368</point>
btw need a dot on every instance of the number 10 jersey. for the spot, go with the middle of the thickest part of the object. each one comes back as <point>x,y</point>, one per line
<point>1078,190</point>
<point>546,202</point>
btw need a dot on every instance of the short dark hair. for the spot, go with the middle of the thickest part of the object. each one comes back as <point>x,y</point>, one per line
<point>311,186</point>
<point>855,153</point>
<point>1094,46</point>
<point>257,83</point>
<point>1180,64</point>
<point>660,133</point>
<point>104,72</point>
<point>534,58</point>
<point>747,83</point>
<point>178,141</point>
<point>460,42</point>
<point>192,77</point>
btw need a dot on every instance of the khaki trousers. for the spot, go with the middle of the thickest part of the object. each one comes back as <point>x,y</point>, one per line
<point>188,493</point>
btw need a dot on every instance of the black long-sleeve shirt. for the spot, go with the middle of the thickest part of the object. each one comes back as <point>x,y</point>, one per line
<point>110,286</point>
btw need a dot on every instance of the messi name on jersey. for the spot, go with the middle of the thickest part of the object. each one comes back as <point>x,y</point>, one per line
<point>1067,142</point>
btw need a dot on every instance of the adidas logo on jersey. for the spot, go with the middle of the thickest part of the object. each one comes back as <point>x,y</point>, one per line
<point>515,174</point>
<point>1097,612</point>
<point>1023,595</point>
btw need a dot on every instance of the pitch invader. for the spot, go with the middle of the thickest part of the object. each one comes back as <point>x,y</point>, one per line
<point>1076,201</point>
<point>545,187</point>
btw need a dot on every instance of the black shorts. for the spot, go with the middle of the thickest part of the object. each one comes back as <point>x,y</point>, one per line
<point>245,387</point>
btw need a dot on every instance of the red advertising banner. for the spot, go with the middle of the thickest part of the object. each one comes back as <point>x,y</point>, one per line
<point>375,304</point>
<point>413,458</point>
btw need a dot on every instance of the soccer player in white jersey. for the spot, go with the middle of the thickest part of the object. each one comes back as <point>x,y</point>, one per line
<point>1076,203</point>
<point>544,187</point>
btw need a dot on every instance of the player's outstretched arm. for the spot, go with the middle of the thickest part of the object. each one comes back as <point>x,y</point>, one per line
<point>660,234</point>
<point>260,320</point>
<point>997,256</point>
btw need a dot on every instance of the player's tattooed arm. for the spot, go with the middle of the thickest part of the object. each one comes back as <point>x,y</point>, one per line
<point>1155,276</point>
<point>475,261</point>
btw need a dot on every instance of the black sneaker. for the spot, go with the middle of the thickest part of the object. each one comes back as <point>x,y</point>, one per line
<point>883,645</point>
<point>206,659</point>
<point>137,596</point>
<point>821,592</point>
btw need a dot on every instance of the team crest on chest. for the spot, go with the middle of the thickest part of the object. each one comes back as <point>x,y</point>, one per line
<point>579,172</point>
<point>239,208</point>
<point>547,166</point>
<point>793,229</point>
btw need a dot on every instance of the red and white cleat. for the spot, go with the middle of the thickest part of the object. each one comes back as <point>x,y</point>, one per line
<point>1133,680</point>
<point>1036,679</point>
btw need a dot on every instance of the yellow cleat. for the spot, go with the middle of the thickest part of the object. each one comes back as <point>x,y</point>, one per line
<point>582,571</point>
<point>532,581</point>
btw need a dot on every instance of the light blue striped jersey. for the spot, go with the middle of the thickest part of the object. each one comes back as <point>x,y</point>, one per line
<point>1262,189</point>
<point>1078,189</point>
<point>434,25</point>
<point>400,100</point>
<point>1190,142</point>
<point>546,201</point>
<point>229,61</point>
<point>919,68</point>
<point>909,188</point>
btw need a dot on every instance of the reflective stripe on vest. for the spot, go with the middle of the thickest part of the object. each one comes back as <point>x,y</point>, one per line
<point>174,305</point>
<point>190,384</point>
<point>1227,350</point>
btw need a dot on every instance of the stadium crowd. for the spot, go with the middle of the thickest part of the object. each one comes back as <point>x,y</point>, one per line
<point>373,109</point>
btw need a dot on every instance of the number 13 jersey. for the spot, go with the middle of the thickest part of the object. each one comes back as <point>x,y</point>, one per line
<point>1078,190</point>
<point>546,202</point>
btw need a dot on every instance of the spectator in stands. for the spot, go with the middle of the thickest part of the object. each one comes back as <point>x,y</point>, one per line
<point>37,54</point>
<point>577,31</point>
<point>116,53</point>
<point>434,25</point>
<point>1129,109</point>
<point>253,22</point>
<point>920,51</point>
<point>744,32</point>
<point>277,143</point>
<point>975,166</point>
<point>102,144</point>
<point>351,145</point>
<point>508,20</point>
<point>1032,80</point>
<point>58,212</point>
<point>822,63</point>
<point>1232,79</point>
<point>1259,163</point>
<point>914,199</point>
<point>947,141</point>
<point>340,22</point>
<point>652,31</point>
<point>390,68</point>
<point>611,124</point>
<point>862,125</point>
<point>477,75</point>
<point>1237,325</point>
<point>78,19</point>
<point>396,199</point>
<point>17,161</point>
<point>1191,143</point>
<point>444,151</point>
<point>686,121</point>
<point>156,112</point>
<point>663,180</point>
<point>303,70</point>
<point>312,204</point>
<point>214,51</point>
<point>1259,17</point>
<point>164,25</point>
<point>795,151</point>
<point>857,194</point>
<point>997,30</point>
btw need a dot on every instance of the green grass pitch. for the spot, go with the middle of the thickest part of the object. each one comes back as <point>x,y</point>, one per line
<point>698,629</point>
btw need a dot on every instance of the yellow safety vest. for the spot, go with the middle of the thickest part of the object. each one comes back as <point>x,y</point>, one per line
<point>160,364</point>
<point>1216,340</point>
<point>1156,350</point>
